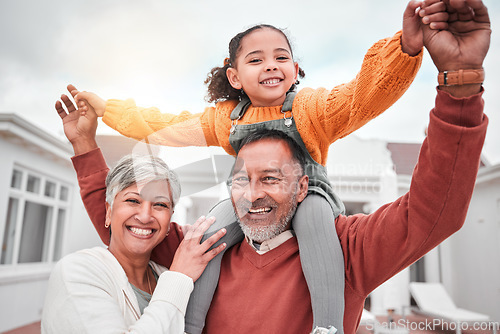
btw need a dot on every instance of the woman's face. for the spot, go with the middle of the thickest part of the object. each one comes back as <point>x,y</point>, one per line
<point>139,218</point>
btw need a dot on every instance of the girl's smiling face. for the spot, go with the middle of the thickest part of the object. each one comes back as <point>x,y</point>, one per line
<point>139,218</point>
<point>264,67</point>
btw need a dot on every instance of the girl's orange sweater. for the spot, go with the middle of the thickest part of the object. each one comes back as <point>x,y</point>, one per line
<point>322,116</point>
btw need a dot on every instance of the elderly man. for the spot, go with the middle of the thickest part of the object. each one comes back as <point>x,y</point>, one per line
<point>262,288</point>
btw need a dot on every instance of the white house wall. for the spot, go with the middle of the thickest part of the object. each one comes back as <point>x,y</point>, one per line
<point>362,171</point>
<point>22,286</point>
<point>473,272</point>
<point>359,169</point>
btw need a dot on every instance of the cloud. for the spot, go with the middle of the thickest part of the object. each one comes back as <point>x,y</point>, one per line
<point>159,52</point>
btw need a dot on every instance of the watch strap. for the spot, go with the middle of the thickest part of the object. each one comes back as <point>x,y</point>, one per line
<point>461,77</point>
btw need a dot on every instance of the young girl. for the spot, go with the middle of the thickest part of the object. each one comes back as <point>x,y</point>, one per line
<point>256,88</point>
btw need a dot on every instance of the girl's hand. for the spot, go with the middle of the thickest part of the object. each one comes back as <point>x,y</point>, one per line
<point>86,101</point>
<point>191,258</point>
<point>417,14</point>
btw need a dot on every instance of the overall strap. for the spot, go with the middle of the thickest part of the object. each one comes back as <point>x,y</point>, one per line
<point>245,102</point>
<point>241,108</point>
<point>288,104</point>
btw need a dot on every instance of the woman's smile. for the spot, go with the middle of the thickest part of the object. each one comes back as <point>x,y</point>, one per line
<point>141,232</point>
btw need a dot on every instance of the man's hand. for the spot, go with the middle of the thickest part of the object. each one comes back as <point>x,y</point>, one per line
<point>464,44</point>
<point>79,129</point>
<point>418,13</point>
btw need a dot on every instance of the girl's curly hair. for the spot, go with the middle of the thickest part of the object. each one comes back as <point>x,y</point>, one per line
<point>219,88</point>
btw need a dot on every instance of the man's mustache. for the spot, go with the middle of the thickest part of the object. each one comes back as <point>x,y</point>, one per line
<point>243,205</point>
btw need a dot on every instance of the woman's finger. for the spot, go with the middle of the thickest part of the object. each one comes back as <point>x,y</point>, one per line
<point>208,256</point>
<point>205,225</point>
<point>200,229</point>
<point>205,245</point>
<point>190,232</point>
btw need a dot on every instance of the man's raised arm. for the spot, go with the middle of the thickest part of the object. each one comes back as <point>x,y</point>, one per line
<point>444,177</point>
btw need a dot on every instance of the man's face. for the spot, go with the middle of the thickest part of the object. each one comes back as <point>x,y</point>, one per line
<point>267,185</point>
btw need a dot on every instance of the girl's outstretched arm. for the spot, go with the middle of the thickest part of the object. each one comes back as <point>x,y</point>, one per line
<point>389,67</point>
<point>324,116</point>
<point>148,124</point>
<point>184,129</point>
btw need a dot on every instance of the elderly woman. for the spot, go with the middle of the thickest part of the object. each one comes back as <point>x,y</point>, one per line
<point>119,289</point>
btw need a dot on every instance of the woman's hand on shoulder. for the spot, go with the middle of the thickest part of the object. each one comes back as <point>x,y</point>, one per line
<point>191,258</point>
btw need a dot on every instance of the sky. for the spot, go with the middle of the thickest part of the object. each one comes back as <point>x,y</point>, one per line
<point>159,53</point>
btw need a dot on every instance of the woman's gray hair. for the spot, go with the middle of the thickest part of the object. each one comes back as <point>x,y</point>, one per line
<point>133,169</point>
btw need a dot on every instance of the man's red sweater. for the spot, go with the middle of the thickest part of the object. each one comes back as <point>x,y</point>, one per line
<point>253,297</point>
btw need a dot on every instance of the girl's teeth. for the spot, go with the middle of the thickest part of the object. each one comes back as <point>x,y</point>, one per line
<point>270,82</point>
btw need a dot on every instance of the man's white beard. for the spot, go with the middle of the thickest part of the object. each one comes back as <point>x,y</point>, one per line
<point>259,234</point>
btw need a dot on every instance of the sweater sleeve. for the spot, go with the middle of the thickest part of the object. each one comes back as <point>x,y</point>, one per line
<point>167,308</point>
<point>378,245</point>
<point>386,73</point>
<point>91,170</point>
<point>84,296</point>
<point>150,124</point>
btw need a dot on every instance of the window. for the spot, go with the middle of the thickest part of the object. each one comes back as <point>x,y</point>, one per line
<point>63,193</point>
<point>33,184</point>
<point>36,218</point>
<point>16,179</point>
<point>50,189</point>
